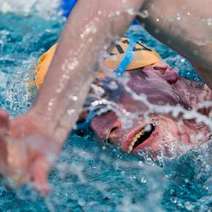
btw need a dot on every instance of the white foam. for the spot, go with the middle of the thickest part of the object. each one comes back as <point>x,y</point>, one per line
<point>43,7</point>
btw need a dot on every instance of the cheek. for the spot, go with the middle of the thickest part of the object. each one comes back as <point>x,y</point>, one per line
<point>131,105</point>
<point>166,138</point>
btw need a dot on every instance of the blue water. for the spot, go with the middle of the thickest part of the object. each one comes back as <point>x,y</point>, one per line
<point>90,176</point>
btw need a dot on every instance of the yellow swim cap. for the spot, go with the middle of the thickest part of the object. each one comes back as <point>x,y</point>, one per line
<point>143,56</point>
<point>43,65</point>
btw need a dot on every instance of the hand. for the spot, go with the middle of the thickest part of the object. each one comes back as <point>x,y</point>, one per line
<point>27,150</point>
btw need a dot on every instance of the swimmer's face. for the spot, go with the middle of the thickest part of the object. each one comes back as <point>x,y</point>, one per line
<point>155,133</point>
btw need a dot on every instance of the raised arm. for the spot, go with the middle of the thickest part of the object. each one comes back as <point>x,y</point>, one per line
<point>31,141</point>
<point>186,26</point>
<point>90,29</point>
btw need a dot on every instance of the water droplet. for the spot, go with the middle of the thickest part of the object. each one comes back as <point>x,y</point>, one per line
<point>70,112</point>
<point>209,21</point>
<point>178,17</point>
<point>144,14</point>
<point>113,85</point>
<point>74,98</point>
<point>143,180</point>
<point>188,206</point>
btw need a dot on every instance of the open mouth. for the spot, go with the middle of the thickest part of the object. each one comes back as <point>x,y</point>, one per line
<point>141,136</point>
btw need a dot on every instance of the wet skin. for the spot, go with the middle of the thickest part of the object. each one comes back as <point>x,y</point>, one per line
<point>47,125</point>
<point>159,132</point>
<point>26,140</point>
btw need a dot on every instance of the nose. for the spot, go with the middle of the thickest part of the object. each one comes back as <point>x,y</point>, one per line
<point>105,124</point>
<point>113,129</point>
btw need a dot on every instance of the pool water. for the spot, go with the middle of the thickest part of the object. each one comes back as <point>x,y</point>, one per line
<point>90,176</point>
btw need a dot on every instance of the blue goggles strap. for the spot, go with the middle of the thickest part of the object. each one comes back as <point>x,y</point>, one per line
<point>67,6</point>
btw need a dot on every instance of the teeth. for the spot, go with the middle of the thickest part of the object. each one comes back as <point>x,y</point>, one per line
<point>147,129</point>
<point>136,137</point>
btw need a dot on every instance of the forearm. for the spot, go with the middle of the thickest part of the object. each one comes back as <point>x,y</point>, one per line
<point>88,31</point>
<point>184,25</point>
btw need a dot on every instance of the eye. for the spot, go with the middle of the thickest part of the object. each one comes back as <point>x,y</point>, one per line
<point>162,69</point>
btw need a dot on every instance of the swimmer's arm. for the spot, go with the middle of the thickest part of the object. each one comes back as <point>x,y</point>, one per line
<point>89,30</point>
<point>186,26</point>
<point>30,143</point>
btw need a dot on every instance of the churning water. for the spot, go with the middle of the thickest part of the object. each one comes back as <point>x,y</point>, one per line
<point>90,176</point>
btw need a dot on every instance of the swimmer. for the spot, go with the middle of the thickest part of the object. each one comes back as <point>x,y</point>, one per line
<point>159,133</point>
<point>30,142</point>
<point>148,75</point>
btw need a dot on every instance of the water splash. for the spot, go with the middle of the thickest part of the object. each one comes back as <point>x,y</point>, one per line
<point>45,8</point>
<point>90,176</point>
